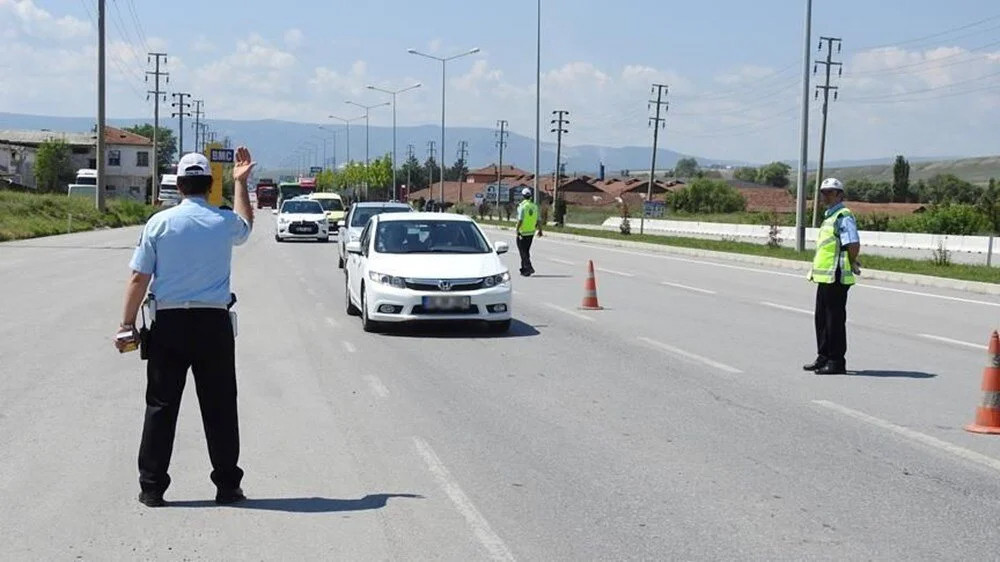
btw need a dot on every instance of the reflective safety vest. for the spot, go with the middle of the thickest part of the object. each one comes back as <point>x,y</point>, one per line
<point>829,252</point>
<point>528,212</point>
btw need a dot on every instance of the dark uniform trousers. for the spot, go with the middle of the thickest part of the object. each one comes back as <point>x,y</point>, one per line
<point>831,321</point>
<point>202,340</point>
<point>524,248</point>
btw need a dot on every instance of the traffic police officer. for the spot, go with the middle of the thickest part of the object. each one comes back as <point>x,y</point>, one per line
<point>187,251</point>
<point>834,268</point>
<point>527,224</point>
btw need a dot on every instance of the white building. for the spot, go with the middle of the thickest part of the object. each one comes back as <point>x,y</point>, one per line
<point>128,170</point>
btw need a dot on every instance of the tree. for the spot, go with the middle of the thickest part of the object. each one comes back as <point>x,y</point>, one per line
<point>901,180</point>
<point>433,170</point>
<point>707,196</point>
<point>457,171</point>
<point>53,168</point>
<point>989,205</point>
<point>166,147</point>
<point>774,174</point>
<point>686,168</point>
<point>868,191</point>
<point>746,174</point>
<point>380,173</point>
<point>416,172</point>
<point>948,188</point>
<point>326,181</point>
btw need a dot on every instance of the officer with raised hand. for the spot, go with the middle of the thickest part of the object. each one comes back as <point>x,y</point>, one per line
<point>186,251</point>
<point>835,267</point>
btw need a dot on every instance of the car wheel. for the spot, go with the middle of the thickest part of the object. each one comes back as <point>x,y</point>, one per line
<point>351,309</point>
<point>367,324</point>
<point>501,327</point>
<point>277,238</point>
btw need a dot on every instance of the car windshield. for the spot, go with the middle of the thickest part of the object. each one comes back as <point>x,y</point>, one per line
<point>429,236</point>
<point>304,207</point>
<point>362,214</point>
<point>331,204</point>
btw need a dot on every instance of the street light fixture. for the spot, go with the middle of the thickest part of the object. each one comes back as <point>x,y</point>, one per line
<point>347,123</point>
<point>367,109</point>
<point>443,60</point>
<point>393,93</point>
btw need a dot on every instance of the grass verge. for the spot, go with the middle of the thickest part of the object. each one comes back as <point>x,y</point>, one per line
<point>30,215</point>
<point>964,272</point>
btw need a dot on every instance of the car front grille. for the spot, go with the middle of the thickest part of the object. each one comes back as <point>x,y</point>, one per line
<point>301,227</point>
<point>472,310</point>
<point>436,285</point>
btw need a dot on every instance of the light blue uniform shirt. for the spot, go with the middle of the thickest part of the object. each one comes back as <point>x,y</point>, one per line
<point>188,250</point>
<point>848,226</point>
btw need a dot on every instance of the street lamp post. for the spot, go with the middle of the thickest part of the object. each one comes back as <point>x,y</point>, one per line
<point>393,93</point>
<point>333,135</point>
<point>367,109</point>
<point>347,123</point>
<point>443,60</point>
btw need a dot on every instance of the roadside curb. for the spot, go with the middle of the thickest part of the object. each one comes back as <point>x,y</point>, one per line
<point>793,265</point>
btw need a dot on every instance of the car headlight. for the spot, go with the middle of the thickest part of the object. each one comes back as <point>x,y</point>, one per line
<point>282,220</point>
<point>494,280</point>
<point>389,280</point>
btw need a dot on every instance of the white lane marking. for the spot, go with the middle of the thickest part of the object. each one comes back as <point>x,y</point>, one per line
<point>801,275</point>
<point>349,346</point>
<point>687,288</point>
<point>613,272</point>
<point>691,356</point>
<point>564,262</point>
<point>480,527</point>
<point>788,308</point>
<point>310,292</point>
<point>979,346</point>
<point>378,388</point>
<point>930,295</point>
<point>331,322</point>
<point>923,438</point>
<point>570,312</point>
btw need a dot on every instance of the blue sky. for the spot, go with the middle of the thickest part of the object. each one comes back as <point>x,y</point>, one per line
<point>732,65</point>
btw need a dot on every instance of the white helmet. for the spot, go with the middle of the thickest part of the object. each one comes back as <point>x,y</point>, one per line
<point>526,192</point>
<point>831,184</point>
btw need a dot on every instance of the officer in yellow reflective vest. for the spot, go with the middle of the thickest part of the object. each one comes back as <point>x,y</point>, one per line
<point>527,224</point>
<point>834,269</point>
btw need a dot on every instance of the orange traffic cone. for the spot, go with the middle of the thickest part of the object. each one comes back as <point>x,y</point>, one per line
<point>590,290</point>
<point>988,413</point>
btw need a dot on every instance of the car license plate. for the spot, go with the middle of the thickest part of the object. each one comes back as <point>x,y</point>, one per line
<point>301,229</point>
<point>447,303</point>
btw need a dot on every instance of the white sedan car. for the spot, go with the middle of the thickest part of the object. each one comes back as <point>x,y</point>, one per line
<point>302,219</point>
<point>426,266</point>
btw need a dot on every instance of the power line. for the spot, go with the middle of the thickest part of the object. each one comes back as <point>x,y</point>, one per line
<point>157,95</point>
<point>933,89</point>
<point>826,88</point>
<point>138,24</point>
<point>656,123</point>
<point>933,35</point>
<point>931,63</point>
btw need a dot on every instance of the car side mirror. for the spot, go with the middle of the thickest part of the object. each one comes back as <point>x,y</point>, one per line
<point>353,247</point>
<point>502,247</point>
<point>340,224</point>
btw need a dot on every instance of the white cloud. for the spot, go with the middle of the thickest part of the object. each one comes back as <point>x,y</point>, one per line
<point>37,22</point>
<point>294,38</point>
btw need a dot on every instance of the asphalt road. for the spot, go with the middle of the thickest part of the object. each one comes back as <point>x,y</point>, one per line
<point>674,424</point>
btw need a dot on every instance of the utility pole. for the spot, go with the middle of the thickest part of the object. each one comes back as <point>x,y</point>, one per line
<point>656,123</point>
<point>157,95</point>
<point>198,113</point>
<point>181,112</point>
<point>409,156</point>
<point>829,63</point>
<point>502,135</point>
<point>101,82</point>
<point>560,122</point>
<point>430,170</point>
<point>800,206</point>
<point>463,153</point>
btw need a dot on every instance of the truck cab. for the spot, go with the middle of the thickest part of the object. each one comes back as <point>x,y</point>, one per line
<point>169,195</point>
<point>85,183</point>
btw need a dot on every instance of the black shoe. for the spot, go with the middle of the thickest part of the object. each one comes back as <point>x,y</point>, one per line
<point>228,497</point>
<point>152,499</point>
<point>832,368</point>
<point>815,365</point>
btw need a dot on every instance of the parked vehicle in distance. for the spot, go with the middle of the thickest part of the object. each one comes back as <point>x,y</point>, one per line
<point>169,195</point>
<point>267,193</point>
<point>350,228</point>
<point>85,183</point>
<point>413,267</point>
<point>301,218</point>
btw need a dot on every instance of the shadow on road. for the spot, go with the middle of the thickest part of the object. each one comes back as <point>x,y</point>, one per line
<point>893,374</point>
<point>543,276</point>
<point>304,505</point>
<point>458,330</point>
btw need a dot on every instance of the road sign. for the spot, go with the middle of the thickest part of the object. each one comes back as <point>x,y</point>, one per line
<point>315,169</point>
<point>654,209</point>
<point>222,155</point>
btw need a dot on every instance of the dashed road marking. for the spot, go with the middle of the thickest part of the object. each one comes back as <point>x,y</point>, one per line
<point>564,262</point>
<point>687,288</point>
<point>979,346</point>
<point>492,542</point>
<point>377,387</point>
<point>786,307</point>
<point>691,356</point>
<point>349,347</point>
<point>571,312</point>
<point>613,272</point>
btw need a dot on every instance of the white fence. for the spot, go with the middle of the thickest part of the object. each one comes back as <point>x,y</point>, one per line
<point>760,233</point>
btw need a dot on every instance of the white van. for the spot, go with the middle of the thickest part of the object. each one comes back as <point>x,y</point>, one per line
<point>169,196</point>
<point>85,183</point>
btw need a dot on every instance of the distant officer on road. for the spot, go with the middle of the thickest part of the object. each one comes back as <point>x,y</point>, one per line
<point>835,266</point>
<point>527,225</point>
<point>187,251</point>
